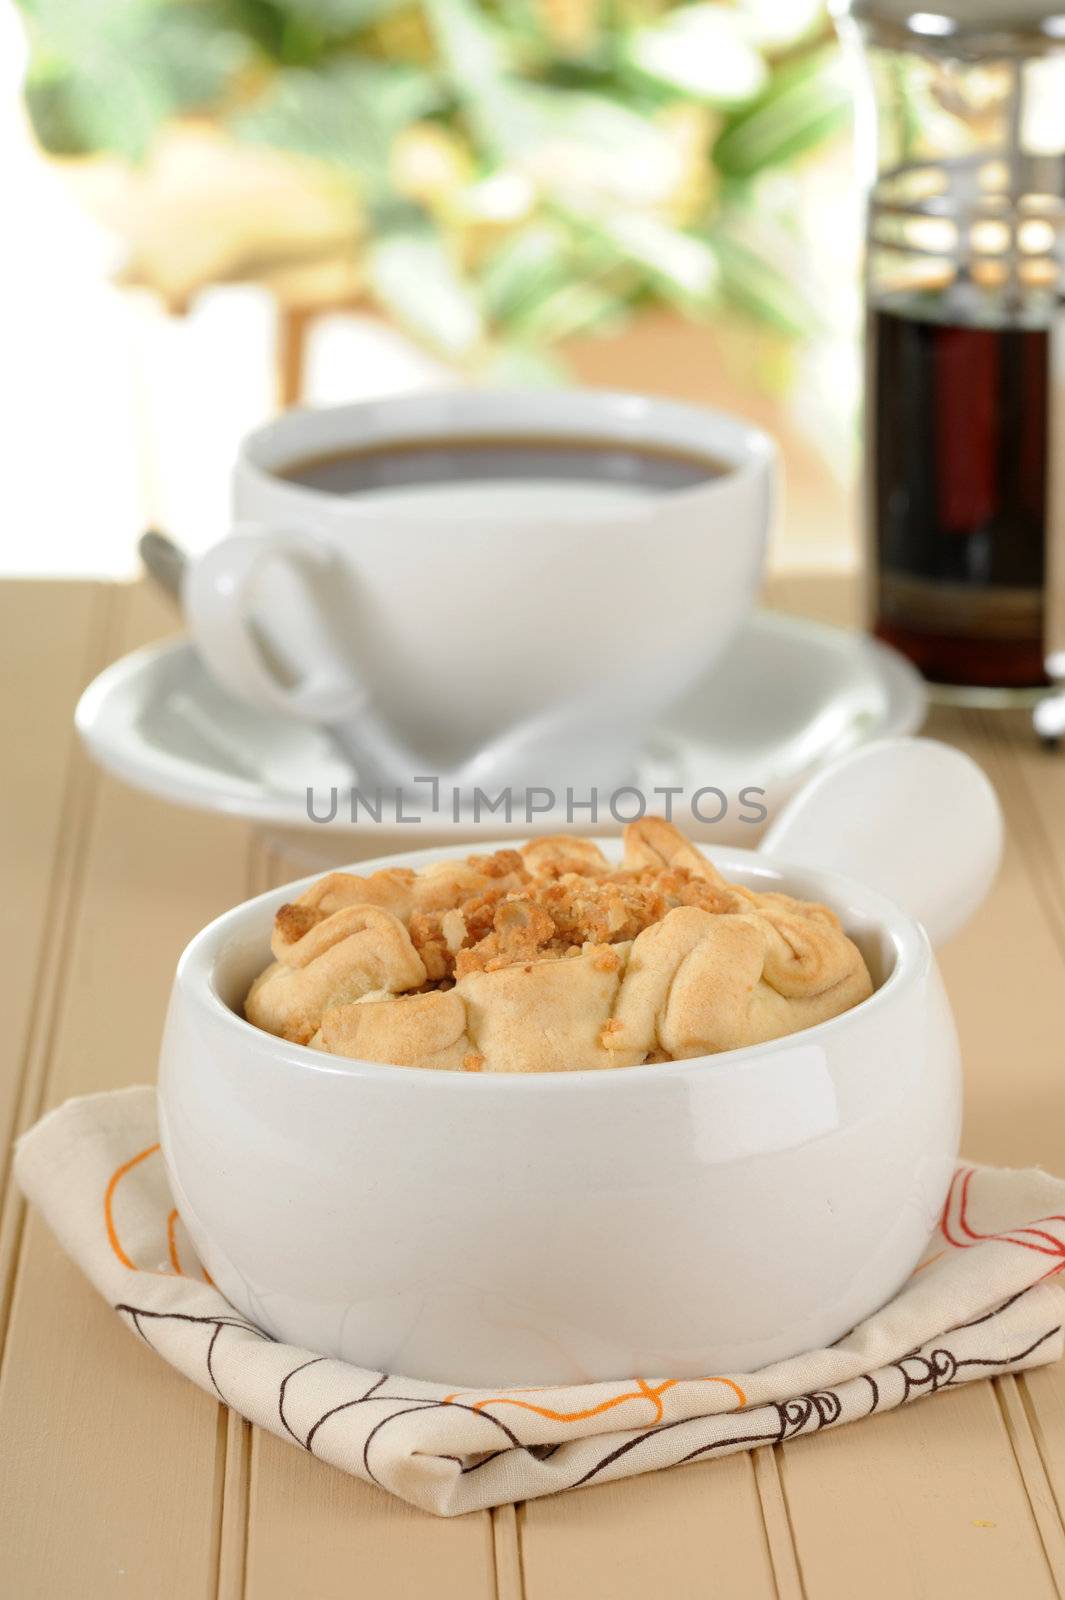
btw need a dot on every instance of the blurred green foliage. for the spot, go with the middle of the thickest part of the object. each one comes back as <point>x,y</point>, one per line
<point>525,169</point>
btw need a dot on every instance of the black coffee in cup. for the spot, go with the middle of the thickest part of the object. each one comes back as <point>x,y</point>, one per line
<point>514,461</point>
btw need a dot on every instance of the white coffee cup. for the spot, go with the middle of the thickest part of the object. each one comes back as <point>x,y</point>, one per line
<point>526,632</point>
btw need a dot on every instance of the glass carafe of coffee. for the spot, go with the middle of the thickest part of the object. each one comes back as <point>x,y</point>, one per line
<point>961,129</point>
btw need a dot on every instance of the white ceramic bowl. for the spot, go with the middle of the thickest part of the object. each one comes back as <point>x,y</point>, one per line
<point>689,1218</point>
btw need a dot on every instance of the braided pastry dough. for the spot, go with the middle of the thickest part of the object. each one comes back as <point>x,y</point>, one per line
<point>548,959</point>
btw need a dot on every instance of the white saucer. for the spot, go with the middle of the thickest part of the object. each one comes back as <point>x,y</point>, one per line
<point>788,695</point>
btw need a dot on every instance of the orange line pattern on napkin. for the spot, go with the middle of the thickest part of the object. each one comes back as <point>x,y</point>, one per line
<point>970,1309</point>
<point>109,1201</point>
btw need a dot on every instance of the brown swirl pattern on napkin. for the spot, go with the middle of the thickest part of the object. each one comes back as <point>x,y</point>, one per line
<point>985,1299</point>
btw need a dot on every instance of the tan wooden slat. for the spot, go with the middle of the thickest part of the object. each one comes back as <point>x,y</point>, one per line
<point>1006,977</point>
<point>234,1451</point>
<point>1033,1471</point>
<point>315,1531</point>
<point>927,1501</point>
<point>1043,1395</point>
<point>293,855</point>
<point>778,1528</point>
<point>836,600</point>
<point>123,1449</point>
<point>1036,782</point>
<point>44,803</point>
<point>155,874</point>
<point>506,1539</point>
<point>106,1476</point>
<point>693,1533</point>
<point>44,670</point>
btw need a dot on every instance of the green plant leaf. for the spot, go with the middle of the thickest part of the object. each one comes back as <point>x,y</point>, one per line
<point>70,119</point>
<point>574,308</point>
<point>338,18</point>
<point>762,274</point>
<point>574,143</point>
<point>554,280</point>
<point>347,114</point>
<point>776,25</point>
<point>412,275</point>
<point>701,51</point>
<point>187,53</point>
<point>805,102</point>
<point>516,366</point>
<point>477,63</point>
<point>680,266</point>
<point>533,263</point>
<point>106,77</point>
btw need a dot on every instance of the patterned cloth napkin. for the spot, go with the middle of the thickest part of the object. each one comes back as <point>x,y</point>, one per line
<point>982,1300</point>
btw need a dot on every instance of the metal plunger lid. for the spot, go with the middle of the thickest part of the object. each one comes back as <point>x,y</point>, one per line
<point>967,28</point>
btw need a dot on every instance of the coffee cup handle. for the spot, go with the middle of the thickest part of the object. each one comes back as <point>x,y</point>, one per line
<point>216,596</point>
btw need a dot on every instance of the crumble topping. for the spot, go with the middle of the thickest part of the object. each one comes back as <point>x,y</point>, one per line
<point>557,915</point>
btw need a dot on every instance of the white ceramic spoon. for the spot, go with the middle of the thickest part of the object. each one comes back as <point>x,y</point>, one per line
<point>380,757</point>
<point>914,818</point>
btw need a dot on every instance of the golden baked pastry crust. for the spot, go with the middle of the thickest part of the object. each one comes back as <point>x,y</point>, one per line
<point>549,959</point>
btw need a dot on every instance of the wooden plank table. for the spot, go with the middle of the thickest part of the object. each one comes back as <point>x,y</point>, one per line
<point>119,1478</point>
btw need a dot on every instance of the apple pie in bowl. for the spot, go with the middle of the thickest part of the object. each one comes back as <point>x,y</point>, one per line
<point>567,1112</point>
<point>550,958</point>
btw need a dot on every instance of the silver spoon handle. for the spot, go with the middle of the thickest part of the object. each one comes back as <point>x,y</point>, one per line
<point>165,561</point>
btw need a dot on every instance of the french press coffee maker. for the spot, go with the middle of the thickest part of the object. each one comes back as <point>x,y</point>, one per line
<point>961,128</point>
